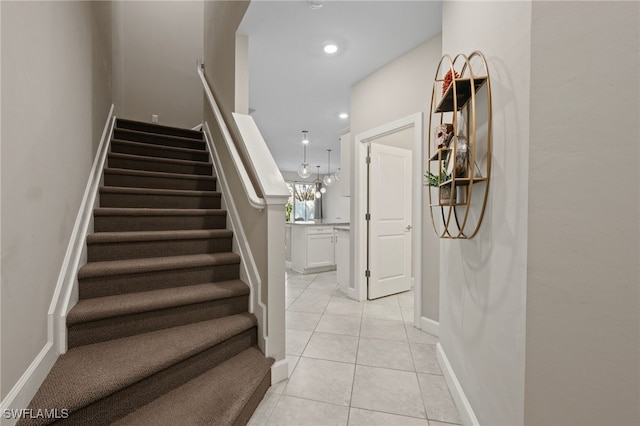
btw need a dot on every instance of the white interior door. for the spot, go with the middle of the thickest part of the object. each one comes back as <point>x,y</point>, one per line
<point>390,222</point>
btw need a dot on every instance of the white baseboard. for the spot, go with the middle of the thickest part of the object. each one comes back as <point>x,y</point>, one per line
<point>279,371</point>
<point>464,407</point>
<point>430,326</point>
<point>24,390</point>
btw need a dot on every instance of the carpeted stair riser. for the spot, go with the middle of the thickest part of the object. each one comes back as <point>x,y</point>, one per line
<point>150,150</point>
<point>139,162</point>
<point>116,220</point>
<point>130,283</point>
<point>216,397</point>
<point>140,126</point>
<point>157,139</point>
<point>110,198</point>
<point>158,180</point>
<point>119,404</point>
<point>257,396</point>
<point>141,249</point>
<point>128,325</point>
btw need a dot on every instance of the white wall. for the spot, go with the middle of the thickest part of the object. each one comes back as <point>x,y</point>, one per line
<point>398,90</point>
<point>156,45</point>
<point>582,356</point>
<point>56,93</point>
<point>483,280</point>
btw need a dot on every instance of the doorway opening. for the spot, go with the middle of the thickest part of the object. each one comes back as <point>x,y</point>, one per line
<point>407,131</point>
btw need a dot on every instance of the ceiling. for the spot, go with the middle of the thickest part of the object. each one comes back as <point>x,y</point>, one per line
<point>295,86</point>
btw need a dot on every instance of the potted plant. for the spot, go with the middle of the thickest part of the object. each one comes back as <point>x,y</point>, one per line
<point>445,193</point>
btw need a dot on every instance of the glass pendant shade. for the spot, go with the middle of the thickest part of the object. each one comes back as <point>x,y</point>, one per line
<point>318,194</point>
<point>323,190</point>
<point>303,170</point>
<point>337,174</point>
<point>328,179</point>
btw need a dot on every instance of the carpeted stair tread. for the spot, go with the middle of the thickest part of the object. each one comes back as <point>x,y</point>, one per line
<point>158,138</point>
<point>147,158</point>
<point>129,211</point>
<point>146,173</point>
<point>190,234</point>
<point>159,151</point>
<point>155,264</point>
<point>216,397</point>
<point>157,191</point>
<point>123,123</point>
<point>131,303</point>
<point>88,373</point>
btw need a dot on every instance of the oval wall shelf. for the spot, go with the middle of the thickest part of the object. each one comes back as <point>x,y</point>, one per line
<point>459,151</point>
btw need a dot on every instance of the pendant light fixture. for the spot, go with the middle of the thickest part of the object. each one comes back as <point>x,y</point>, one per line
<point>318,184</point>
<point>303,170</point>
<point>328,179</point>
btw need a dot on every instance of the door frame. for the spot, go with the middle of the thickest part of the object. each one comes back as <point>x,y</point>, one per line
<point>359,224</point>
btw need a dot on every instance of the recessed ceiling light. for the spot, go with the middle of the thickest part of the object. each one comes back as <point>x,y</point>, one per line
<point>315,5</point>
<point>330,48</point>
<point>344,115</point>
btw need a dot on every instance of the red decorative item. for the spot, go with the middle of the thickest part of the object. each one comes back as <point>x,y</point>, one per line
<point>448,78</point>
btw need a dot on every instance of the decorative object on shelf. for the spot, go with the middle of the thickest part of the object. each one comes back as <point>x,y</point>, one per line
<point>459,163</point>
<point>303,170</point>
<point>328,179</point>
<point>443,134</point>
<point>461,158</point>
<point>448,78</point>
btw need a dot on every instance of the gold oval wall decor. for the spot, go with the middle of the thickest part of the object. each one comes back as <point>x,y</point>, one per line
<point>459,166</point>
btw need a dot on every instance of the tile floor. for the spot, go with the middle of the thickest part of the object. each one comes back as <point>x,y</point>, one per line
<point>355,363</point>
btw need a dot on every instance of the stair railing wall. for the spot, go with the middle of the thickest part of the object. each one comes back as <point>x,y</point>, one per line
<point>65,295</point>
<point>257,220</point>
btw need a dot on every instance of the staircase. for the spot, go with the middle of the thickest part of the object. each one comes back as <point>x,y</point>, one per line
<point>161,334</point>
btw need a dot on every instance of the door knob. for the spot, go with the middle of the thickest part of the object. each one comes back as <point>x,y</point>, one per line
<point>408,228</point>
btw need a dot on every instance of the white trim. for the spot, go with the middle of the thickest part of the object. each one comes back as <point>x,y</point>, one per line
<point>65,294</point>
<point>197,127</point>
<point>274,188</point>
<point>462,403</point>
<point>430,326</point>
<point>359,224</point>
<point>249,269</point>
<point>25,389</point>
<point>254,200</point>
<point>279,371</point>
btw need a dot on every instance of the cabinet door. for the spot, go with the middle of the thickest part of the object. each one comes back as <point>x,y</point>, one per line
<point>320,250</point>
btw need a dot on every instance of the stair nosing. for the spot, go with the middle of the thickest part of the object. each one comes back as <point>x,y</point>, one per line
<point>185,176</point>
<point>188,293</point>
<point>109,268</point>
<point>156,125</point>
<point>158,146</point>
<point>83,392</point>
<point>122,156</point>
<point>200,388</point>
<point>158,191</point>
<point>162,135</point>
<point>116,237</point>
<point>135,211</point>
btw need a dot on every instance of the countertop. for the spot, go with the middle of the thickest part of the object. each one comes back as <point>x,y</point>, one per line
<point>317,223</point>
<point>346,228</point>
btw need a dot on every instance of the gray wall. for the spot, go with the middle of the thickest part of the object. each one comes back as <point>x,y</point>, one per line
<point>56,93</point>
<point>582,354</point>
<point>397,90</point>
<point>156,46</point>
<point>483,280</point>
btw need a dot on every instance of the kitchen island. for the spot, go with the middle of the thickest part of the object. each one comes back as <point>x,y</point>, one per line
<point>311,246</point>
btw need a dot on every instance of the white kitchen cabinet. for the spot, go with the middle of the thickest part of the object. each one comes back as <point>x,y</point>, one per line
<point>312,248</point>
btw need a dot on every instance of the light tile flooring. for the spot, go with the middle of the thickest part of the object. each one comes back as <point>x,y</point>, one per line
<point>355,363</point>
